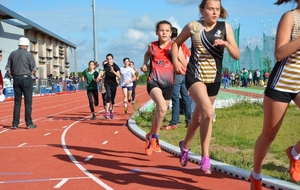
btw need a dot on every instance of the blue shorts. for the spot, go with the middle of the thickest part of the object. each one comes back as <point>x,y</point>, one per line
<point>129,88</point>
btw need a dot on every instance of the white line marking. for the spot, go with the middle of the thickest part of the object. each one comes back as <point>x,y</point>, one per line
<point>47,134</point>
<point>116,132</point>
<point>22,144</point>
<point>4,131</point>
<point>61,183</point>
<point>65,127</point>
<point>88,158</point>
<point>33,146</point>
<point>104,142</point>
<point>85,171</point>
<point>53,129</point>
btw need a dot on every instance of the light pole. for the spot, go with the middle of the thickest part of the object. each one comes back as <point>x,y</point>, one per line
<point>95,31</point>
<point>272,28</point>
<point>264,26</point>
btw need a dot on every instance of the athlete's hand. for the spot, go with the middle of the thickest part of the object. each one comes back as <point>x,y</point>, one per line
<point>219,42</point>
<point>178,68</point>
<point>144,68</point>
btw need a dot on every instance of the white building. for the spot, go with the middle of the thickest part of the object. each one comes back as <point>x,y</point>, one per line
<point>51,52</point>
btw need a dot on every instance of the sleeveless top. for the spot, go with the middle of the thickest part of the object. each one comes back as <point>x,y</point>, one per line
<point>205,62</point>
<point>161,67</point>
<point>285,76</point>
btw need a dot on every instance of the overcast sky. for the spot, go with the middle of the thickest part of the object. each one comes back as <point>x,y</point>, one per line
<point>126,27</point>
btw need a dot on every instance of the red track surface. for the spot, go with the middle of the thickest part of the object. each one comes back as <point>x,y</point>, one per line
<point>70,151</point>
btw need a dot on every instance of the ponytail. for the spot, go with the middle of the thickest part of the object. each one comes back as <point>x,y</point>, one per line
<point>279,2</point>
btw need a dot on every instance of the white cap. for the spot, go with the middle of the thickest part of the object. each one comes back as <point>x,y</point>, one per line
<point>23,41</point>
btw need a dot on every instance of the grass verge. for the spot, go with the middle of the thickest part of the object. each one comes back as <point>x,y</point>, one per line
<point>234,134</point>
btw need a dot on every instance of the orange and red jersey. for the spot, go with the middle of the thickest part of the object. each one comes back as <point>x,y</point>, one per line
<point>161,67</point>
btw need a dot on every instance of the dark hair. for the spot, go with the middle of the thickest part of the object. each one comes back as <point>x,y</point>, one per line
<point>279,2</point>
<point>132,62</point>
<point>223,13</point>
<point>0,51</point>
<point>162,22</point>
<point>126,58</point>
<point>95,63</point>
<point>174,32</point>
<point>111,55</point>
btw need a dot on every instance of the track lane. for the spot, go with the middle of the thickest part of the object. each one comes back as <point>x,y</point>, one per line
<point>115,155</point>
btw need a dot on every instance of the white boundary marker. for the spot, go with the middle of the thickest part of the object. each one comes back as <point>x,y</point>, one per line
<point>267,181</point>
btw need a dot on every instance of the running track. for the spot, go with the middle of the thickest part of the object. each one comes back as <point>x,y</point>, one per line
<point>70,151</point>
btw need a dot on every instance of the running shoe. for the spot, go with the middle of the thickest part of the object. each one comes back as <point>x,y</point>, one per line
<point>93,117</point>
<point>112,115</point>
<point>106,115</point>
<point>294,165</point>
<point>169,127</point>
<point>205,165</point>
<point>126,109</point>
<point>184,156</point>
<point>155,145</point>
<point>254,183</point>
<point>148,149</point>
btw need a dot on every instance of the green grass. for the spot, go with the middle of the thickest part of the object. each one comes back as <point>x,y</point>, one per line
<point>234,134</point>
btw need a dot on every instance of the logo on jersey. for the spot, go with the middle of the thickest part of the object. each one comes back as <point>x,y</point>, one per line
<point>219,34</point>
<point>163,63</point>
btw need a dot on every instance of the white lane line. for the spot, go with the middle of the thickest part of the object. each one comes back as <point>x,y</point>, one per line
<point>65,127</point>
<point>88,158</point>
<point>32,146</point>
<point>116,132</point>
<point>3,131</point>
<point>61,183</point>
<point>53,129</point>
<point>83,169</point>
<point>47,134</point>
<point>22,144</point>
<point>104,142</point>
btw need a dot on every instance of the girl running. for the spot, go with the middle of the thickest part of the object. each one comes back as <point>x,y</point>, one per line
<point>102,88</point>
<point>127,77</point>
<point>137,74</point>
<point>203,76</point>
<point>90,77</point>
<point>283,86</point>
<point>111,72</point>
<point>160,80</point>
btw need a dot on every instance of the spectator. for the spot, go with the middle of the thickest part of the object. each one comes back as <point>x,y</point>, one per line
<point>179,90</point>
<point>266,77</point>
<point>21,65</point>
<point>257,77</point>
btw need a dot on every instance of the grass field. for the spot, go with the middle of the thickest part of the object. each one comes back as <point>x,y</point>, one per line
<point>234,134</point>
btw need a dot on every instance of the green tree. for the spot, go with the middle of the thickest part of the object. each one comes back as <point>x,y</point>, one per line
<point>267,64</point>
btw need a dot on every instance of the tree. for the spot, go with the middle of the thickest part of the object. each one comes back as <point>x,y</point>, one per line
<point>267,64</point>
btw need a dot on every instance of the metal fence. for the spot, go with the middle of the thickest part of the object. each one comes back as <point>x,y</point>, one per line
<point>44,86</point>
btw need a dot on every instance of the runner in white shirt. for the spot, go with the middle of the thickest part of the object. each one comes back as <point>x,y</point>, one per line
<point>127,78</point>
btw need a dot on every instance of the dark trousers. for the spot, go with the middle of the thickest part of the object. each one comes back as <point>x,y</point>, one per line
<point>110,93</point>
<point>93,94</point>
<point>104,98</point>
<point>23,85</point>
<point>133,90</point>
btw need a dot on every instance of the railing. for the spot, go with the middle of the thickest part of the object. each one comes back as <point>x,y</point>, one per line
<point>45,87</point>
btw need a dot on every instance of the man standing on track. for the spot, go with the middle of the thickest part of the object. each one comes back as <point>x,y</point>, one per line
<point>21,65</point>
<point>1,77</point>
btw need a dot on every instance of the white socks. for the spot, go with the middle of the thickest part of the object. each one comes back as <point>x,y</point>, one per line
<point>295,155</point>
<point>256,176</point>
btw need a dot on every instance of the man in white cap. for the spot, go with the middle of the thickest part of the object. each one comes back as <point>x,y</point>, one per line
<point>21,65</point>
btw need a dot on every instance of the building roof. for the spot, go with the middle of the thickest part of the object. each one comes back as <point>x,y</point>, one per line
<point>12,18</point>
